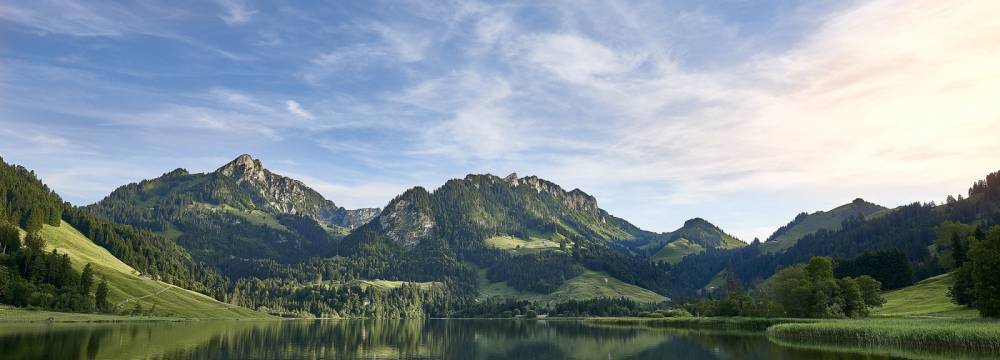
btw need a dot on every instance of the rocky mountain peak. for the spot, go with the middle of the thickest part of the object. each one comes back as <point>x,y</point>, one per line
<point>244,167</point>
<point>280,194</point>
<point>408,219</point>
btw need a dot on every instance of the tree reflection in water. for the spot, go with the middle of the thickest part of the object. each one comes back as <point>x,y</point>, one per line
<point>385,339</point>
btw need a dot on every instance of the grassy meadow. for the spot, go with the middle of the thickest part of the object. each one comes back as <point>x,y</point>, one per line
<point>127,286</point>
<point>920,316</point>
<point>20,315</point>
<point>590,284</point>
<point>928,298</point>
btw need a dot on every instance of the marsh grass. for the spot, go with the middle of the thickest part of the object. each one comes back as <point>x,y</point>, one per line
<point>981,336</point>
<point>10,314</point>
<point>708,323</point>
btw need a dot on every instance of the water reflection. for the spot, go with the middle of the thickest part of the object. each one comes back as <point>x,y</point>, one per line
<point>392,339</point>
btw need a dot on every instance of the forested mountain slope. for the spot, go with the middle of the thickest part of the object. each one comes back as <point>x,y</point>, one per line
<point>693,237</point>
<point>45,222</point>
<point>488,222</point>
<point>807,224</point>
<point>910,229</point>
<point>241,212</point>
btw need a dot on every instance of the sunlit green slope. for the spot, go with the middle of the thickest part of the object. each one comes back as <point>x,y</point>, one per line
<point>128,286</point>
<point>589,285</point>
<point>926,298</point>
<point>805,224</point>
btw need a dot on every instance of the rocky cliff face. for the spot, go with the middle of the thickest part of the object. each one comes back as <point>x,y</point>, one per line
<point>278,194</point>
<point>575,199</point>
<point>408,219</point>
<point>354,218</point>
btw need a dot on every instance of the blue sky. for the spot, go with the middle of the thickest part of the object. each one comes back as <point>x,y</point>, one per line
<point>741,112</point>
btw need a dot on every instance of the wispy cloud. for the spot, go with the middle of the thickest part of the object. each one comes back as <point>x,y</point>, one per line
<point>235,12</point>
<point>297,110</point>
<point>95,19</point>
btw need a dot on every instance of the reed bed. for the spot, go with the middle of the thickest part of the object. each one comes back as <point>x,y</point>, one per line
<point>708,323</point>
<point>970,335</point>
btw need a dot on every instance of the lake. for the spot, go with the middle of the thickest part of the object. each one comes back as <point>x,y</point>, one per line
<point>389,339</point>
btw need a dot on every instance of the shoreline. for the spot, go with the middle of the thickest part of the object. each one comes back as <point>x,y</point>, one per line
<point>12,315</point>
<point>874,334</point>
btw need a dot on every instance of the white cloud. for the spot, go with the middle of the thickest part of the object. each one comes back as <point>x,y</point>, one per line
<point>881,97</point>
<point>576,59</point>
<point>236,12</point>
<point>297,110</point>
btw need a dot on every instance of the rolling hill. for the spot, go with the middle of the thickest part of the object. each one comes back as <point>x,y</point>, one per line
<point>588,285</point>
<point>128,285</point>
<point>927,298</point>
<point>806,224</point>
<point>693,237</point>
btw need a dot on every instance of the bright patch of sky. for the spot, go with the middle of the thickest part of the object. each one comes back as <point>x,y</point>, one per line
<point>741,112</point>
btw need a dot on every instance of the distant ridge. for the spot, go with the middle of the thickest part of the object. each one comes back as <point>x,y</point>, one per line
<point>805,224</point>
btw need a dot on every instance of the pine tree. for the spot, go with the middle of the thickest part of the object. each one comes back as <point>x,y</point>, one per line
<point>86,280</point>
<point>101,296</point>
<point>984,257</point>
<point>10,239</point>
<point>962,290</point>
<point>958,250</point>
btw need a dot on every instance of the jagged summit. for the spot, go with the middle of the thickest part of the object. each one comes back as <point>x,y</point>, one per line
<point>485,205</point>
<point>244,183</point>
<point>247,169</point>
<point>242,165</point>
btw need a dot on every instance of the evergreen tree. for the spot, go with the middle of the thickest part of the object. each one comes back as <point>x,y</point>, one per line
<point>962,290</point>
<point>984,257</point>
<point>101,296</point>
<point>958,251</point>
<point>10,239</point>
<point>86,280</point>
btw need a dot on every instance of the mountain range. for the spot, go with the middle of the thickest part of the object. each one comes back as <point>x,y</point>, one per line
<point>248,236</point>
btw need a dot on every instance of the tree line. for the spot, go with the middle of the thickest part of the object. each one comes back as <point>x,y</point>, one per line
<point>974,255</point>
<point>809,290</point>
<point>32,277</point>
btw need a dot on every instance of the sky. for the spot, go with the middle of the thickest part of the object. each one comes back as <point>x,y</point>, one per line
<point>744,113</point>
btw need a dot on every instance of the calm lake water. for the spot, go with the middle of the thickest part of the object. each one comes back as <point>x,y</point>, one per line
<point>395,339</point>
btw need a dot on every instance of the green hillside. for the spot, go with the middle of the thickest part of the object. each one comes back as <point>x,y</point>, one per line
<point>551,234</point>
<point>520,246</point>
<point>805,224</point>
<point>694,237</point>
<point>127,286</point>
<point>589,285</point>
<point>676,250</point>
<point>925,298</point>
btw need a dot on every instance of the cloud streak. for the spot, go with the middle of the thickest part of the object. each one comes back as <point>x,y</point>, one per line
<point>236,12</point>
